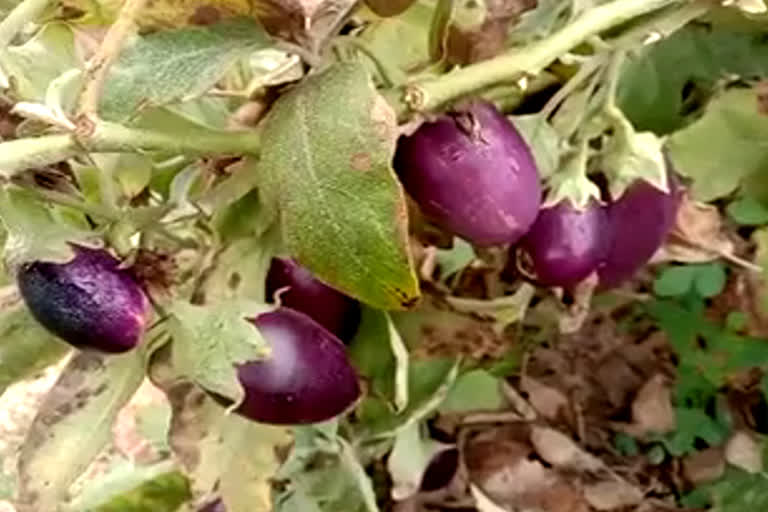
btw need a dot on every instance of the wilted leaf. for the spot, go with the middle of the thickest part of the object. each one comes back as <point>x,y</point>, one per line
<point>561,451</point>
<point>406,32</point>
<point>224,450</point>
<point>612,495</point>
<point>478,30</point>
<point>209,341</point>
<point>171,66</point>
<point>652,410</point>
<point>704,466</point>
<point>744,452</point>
<point>326,166</point>
<point>729,136</point>
<point>409,459</point>
<point>35,64</point>
<point>74,424</point>
<point>25,347</point>
<point>697,236</point>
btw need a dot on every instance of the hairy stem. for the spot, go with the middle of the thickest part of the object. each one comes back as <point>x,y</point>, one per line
<point>18,155</point>
<point>22,14</point>
<point>433,93</point>
<point>110,48</point>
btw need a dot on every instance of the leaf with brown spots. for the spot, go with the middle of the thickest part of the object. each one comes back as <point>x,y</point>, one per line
<point>326,168</point>
<point>74,424</point>
<point>224,451</point>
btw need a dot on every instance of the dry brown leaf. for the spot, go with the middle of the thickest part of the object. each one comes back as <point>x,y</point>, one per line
<point>561,451</point>
<point>548,401</point>
<point>485,34</point>
<point>612,494</point>
<point>652,410</point>
<point>704,466</point>
<point>698,235</point>
<point>744,452</point>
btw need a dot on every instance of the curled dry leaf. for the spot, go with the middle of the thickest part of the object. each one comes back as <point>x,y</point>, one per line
<point>704,466</point>
<point>548,401</point>
<point>498,462</point>
<point>612,494</point>
<point>698,235</point>
<point>561,451</point>
<point>574,315</point>
<point>744,452</point>
<point>652,410</point>
<point>478,30</point>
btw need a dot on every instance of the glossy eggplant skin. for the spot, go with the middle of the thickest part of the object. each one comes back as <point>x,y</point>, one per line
<point>638,223</point>
<point>565,244</point>
<point>386,8</point>
<point>338,313</point>
<point>214,506</point>
<point>89,302</point>
<point>307,378</point>
<point>472,173</point>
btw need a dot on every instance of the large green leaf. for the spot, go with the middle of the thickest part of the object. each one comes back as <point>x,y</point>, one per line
<point>169,66</point>
<point>326,166</point>
<point>74,424</point>
<point>725,146</point>
<point>651,90</point>
<point>25,347</point>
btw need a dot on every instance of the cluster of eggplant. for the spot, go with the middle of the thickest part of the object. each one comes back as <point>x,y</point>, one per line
<point>472,173</point>
<point>93,303</point>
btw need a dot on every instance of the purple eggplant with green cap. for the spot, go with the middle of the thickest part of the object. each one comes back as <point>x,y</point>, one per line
<point>565,245</point>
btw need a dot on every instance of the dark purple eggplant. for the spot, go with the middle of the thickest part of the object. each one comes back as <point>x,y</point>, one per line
<point>307,378</point>
<point>387,8</point>
<point>327,306</point>
<point>638,223</point>
<point>565,244</point>
<point>89,302</point>
<point>441,470</point>
<point>214,506</point>
<point>471,172</point>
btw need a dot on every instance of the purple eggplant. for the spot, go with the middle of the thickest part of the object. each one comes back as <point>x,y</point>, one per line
<point>565,244</point>
<point>471,172</point>
<point>387,8</point>
<point>327,306</point>
<point>214,506</point>
<point>306,379</point>
<point>441,470</point>
<point>89,302</point>
<point>638,223</point>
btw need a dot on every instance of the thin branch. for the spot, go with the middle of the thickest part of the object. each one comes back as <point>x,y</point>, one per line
<point>110,48</point>
<point>433,93</point>
<point>26,11</point>
<point>105,137</point>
